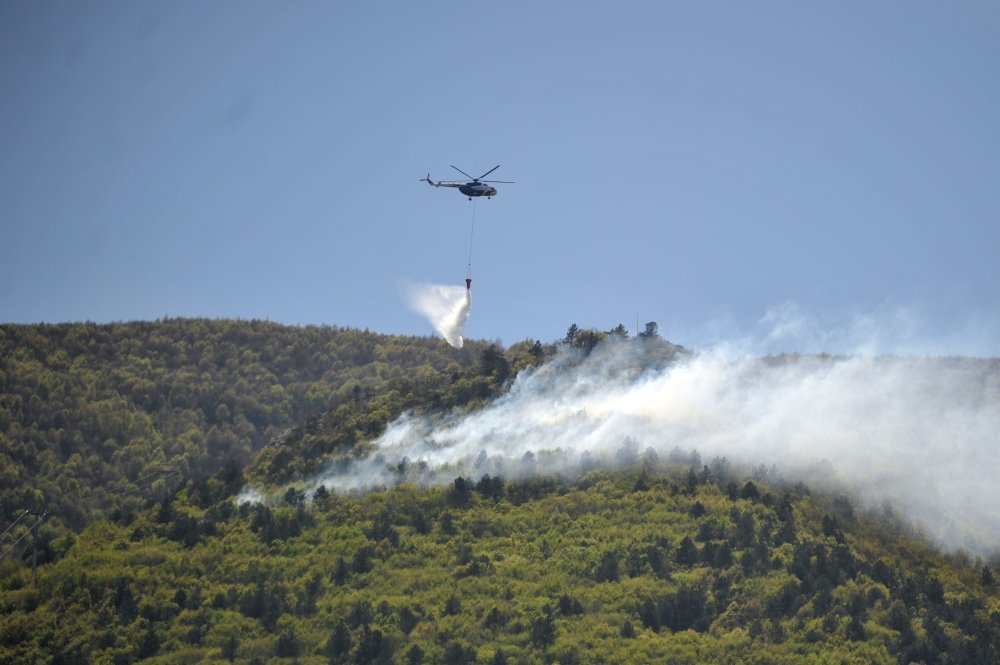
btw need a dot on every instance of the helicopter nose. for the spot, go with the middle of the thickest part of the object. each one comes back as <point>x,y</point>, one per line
<point>491,191</point>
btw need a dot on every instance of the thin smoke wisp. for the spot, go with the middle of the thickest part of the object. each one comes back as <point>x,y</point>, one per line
<point>445,306</point>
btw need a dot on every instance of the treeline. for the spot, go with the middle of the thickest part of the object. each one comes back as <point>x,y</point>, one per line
<point>100,417</point>
<point>663,563</point>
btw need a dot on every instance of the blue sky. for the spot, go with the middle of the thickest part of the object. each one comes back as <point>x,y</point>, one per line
<point>801,172</point>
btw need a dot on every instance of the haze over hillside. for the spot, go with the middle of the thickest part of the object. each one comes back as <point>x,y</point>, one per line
<point>912,434</point>
<point>109,404</point>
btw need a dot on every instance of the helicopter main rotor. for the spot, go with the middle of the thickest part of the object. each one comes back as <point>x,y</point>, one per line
<point>480,178</point>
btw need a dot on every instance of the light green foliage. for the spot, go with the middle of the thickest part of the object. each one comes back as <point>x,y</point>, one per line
<point>511,568</point>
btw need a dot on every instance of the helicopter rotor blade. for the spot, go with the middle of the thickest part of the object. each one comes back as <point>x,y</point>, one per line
<point>488,172</point>
<point>462,172</point>
<point>502,182</point>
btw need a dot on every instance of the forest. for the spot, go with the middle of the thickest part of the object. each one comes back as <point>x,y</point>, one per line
<point>95,417</point>
<point>137,439</point>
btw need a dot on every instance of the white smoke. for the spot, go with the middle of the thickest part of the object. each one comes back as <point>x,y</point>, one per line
<point>920,433</point>
<point>445,306</point>
<point>250,495</point>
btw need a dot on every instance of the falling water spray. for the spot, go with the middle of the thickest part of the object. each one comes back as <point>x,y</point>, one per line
<point>445,306</point>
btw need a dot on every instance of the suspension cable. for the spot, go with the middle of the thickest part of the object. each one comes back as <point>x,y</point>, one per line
<point>472,233</point>
<point>130,485</point>
<point>22,516</point>
<point>25,534</point>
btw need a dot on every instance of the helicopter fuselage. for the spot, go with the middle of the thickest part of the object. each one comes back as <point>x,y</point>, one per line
<point>477,189</point>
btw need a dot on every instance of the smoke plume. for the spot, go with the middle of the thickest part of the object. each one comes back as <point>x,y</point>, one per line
<point>921,434</point>
<point>445,306</point>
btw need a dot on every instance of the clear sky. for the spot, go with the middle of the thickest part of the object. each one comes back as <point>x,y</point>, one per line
<point>719,167</point>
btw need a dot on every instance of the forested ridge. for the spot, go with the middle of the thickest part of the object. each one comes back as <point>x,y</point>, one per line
<point>138,438</point>
<point>96,417</point>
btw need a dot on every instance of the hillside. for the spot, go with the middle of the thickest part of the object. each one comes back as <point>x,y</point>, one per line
<point>626,556</point>
<point>96,418</point>
<point>662,563</point>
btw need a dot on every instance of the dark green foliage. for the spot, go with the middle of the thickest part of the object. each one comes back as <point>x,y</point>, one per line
<point>494,620</point>
<point>717,554</point>
<point>452,606</point>
<point>340,572</point>
<point>490,488</point>
<point>686,608</point>
<point>362,561</point>
<point>750,491</point>
<point>607,569</point>
<point>494,364</point>
<point>569,606</point>
<point>150,644</point>
<point>361,614</point>
<point>457,653</point>
<point>619,332</point>
<point>697,510</point>
<point>288,643</point>
<point>543,630</point>
<point>458,497</point>
<point>687,552</point>
<point>651,331</point>
<point>371,646</point>
<point>339,644</point>
<point>627,631</point>
<point>415,655</point>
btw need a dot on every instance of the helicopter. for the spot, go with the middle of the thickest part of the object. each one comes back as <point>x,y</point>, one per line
<point>477,187</point>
